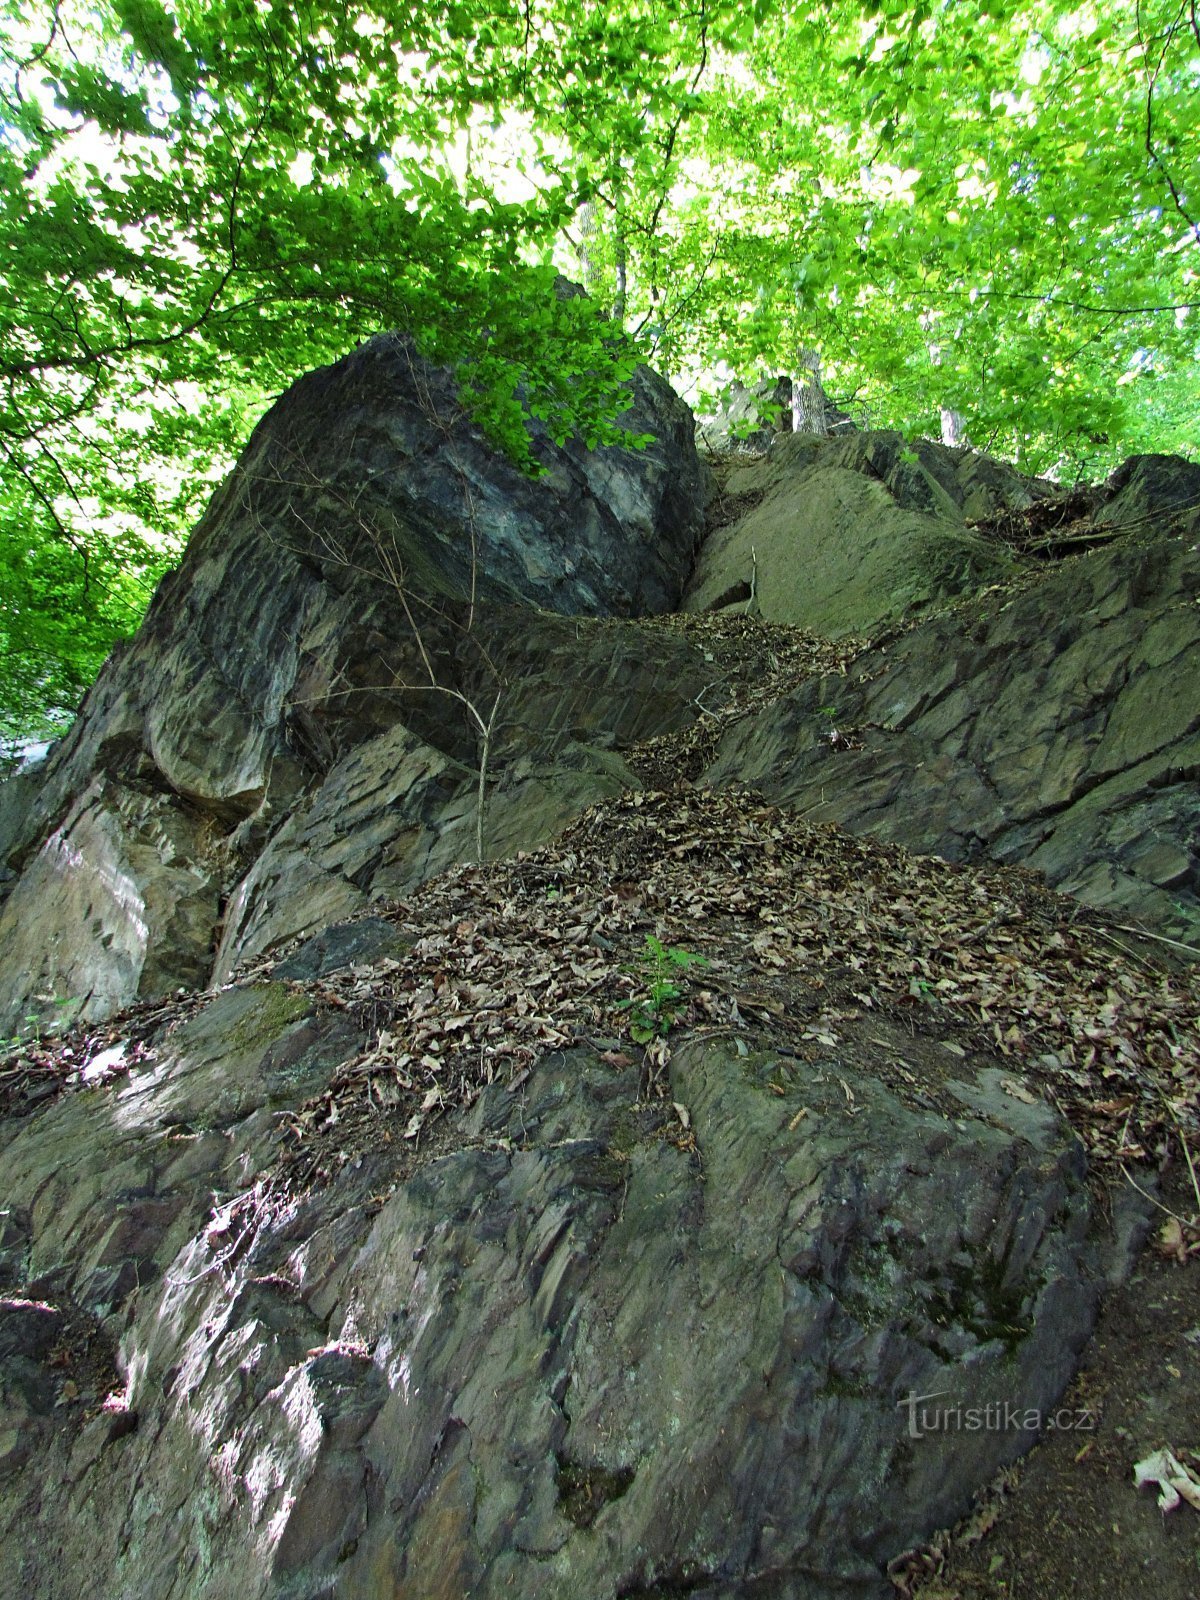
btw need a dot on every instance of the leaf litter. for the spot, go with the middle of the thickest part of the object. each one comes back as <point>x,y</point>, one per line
<point>753,663</point>
<point>807,931</point>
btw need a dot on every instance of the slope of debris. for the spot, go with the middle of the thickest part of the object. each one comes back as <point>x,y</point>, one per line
<point>754,662</point>
<point>808,938</point>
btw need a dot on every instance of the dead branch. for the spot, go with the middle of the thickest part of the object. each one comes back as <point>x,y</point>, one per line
<point>369,551</point>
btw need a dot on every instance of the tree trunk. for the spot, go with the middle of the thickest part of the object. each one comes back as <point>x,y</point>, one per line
<point>591,269</point>
<point>808,397</point>
<point>954,428</point>
<point>604,262</point>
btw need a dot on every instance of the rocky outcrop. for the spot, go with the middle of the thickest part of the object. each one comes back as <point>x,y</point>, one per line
<point>846,534</point>
<point>311,652</point>
<point>1055,725</point>
<point>271,752</point>
<point>643,1213</point>
<point>395,808</point>
<point>592,1337</point>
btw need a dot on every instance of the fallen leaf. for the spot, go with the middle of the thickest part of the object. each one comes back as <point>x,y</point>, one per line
<point>1174,1481</point>
<point>1170,1242</point>
<point>1018,1091</point>
<point>616,1058</point>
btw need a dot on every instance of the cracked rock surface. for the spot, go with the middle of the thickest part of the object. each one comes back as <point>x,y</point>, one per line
<point>1056,727</point>
<point>563,1351</point>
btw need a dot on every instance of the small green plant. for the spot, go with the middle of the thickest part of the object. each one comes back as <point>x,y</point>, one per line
<point>36,1025</point>
<point>29,1032</point>
<point>834,736</point>
<point>653,1011</point>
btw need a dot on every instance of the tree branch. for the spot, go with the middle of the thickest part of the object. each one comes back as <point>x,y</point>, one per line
<point>1151,81</point>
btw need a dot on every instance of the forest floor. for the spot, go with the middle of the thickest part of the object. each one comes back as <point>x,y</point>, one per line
<point>1067,1523</point>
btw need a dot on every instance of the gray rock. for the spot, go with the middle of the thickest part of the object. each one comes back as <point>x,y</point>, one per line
<point>846,534</point>
<point>565,1356</point>
<point>1057,730</point>
<point>278,672</point>
<point>553,1348</point>
<point>1156,487</point>
<point>379,439</point>
<point>749,417</point>
<point>344,944</point>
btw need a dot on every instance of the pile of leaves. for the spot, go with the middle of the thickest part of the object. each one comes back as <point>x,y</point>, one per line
<point>35,1070</point>
<point>758,659</point>
<point>754,662</point>
<point>803,930</point>
<point>726,509</point>
<point>1048,527</point>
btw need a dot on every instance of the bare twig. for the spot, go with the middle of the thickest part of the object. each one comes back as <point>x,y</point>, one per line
<point>383,561</point>
<point>1160,938</point>
<point>1187,1154</point>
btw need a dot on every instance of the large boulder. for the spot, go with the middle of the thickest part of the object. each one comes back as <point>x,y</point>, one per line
<point>331,604</point>
<point>377,447</point>
<point>846,534</point>
<point>591,1334</point>
<point>431,1255</point>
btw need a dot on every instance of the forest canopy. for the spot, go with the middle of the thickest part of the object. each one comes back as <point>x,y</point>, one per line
<point>989,211</point>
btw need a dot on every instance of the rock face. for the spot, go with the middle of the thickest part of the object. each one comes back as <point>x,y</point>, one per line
<point>1058,729</point>
<point>275,653</point>
<point>378,441</point>
<point>614,1317</point>
<point>566,1356</point>
<point>847,533</point>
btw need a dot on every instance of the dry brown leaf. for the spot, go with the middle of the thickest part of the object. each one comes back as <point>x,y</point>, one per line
<point>1170,1242</point>
<point>1018,1091</point>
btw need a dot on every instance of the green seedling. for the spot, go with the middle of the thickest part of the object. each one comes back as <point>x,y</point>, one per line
<point>653,1012</point>
<point>35,1026</point>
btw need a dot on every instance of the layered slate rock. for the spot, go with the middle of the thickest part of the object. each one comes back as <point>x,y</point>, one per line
<point>848,533</point>
<point>380,438</point>
<point>1058,728</point>
<point>269,754</point>
<point>565,1352</point>
<point>1055,726</point>
<point>364,512</point>
<point>610,1326</point>
<point>393,808</point>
